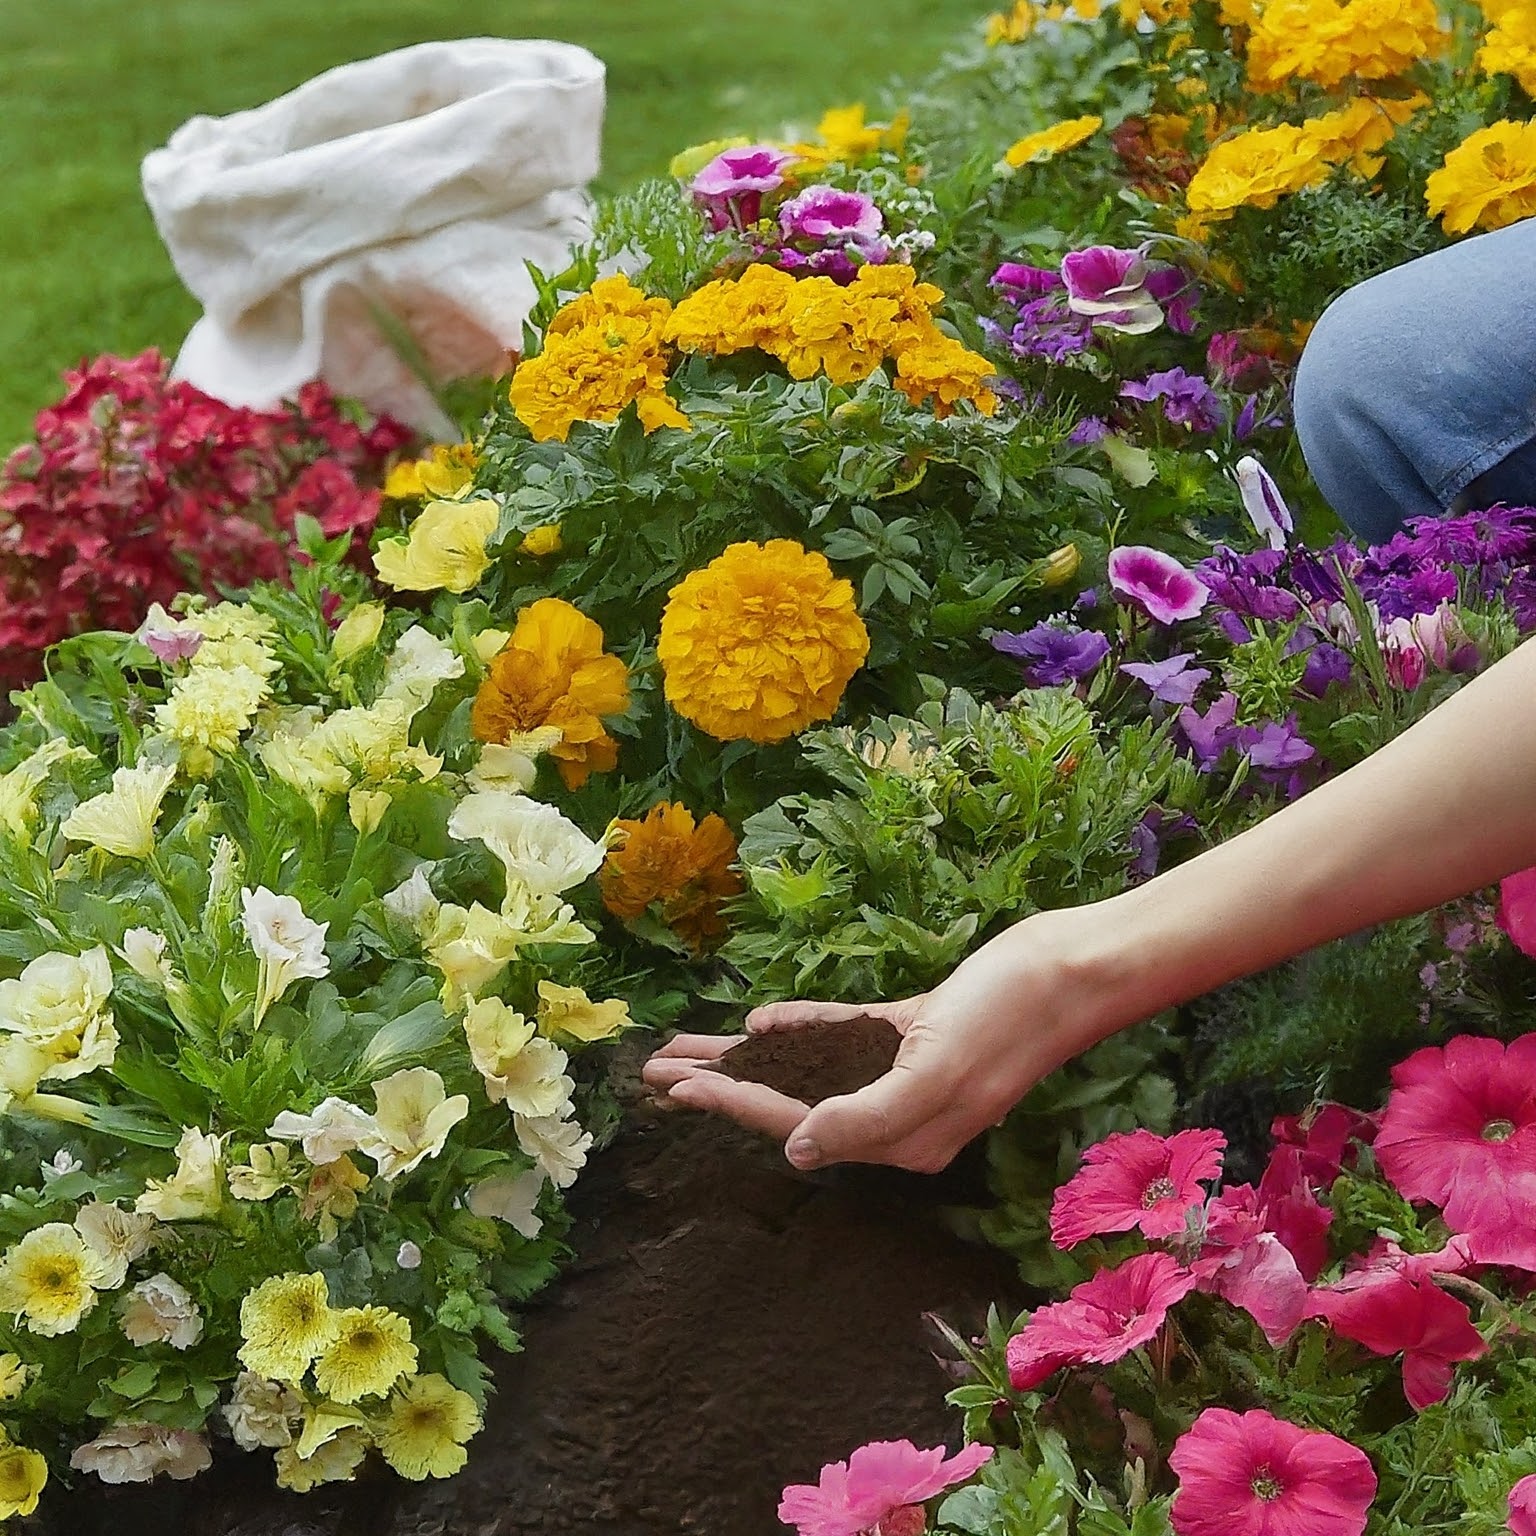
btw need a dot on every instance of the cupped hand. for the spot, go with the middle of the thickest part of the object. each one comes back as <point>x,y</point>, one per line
<point>970,1050</point>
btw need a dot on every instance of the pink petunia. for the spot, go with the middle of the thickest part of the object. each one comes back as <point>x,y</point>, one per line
<point>1517,910</point>
<point>1459,1132</point>
<point>1156,583</point>
<point>1251,1474</point>
<point>1522,1507</point>
<point>1326,1135</point>
<point>1247,1265</point>
<point>876,1488</point>
<point>1136,1179</point>
<point>829,213</point>
<point>1293,1213</point>
<point>1391,1314</point>
<point>1103,1319</point>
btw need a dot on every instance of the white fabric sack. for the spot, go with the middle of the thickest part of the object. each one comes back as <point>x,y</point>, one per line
<point>417,183</point>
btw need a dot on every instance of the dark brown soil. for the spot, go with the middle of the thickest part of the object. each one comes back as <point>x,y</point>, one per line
<point>818,1062</point>
<point>728,1326</point>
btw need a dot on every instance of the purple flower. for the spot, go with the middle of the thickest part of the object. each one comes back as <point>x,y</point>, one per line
<point>735,180</point>
<point>1047,328</point>
<point>1151,834</point>
<point>1326,665</point>
<point>1091,429</point>
<point>173,645</point>
<point>1245,586</point>
<point>1315,578</point>
<point>1023,278</point>
<point>1109,285</point>
<point>1278,744</point>
<point>1156,582</point>
<point>1187,399</point>
<point>1179,295</point>
<point>1172,681</point>
<point>1423,591</point>
<point>825,213</point>
<point>1054,654</point>
<point>1263,503</point>
<point>1210,734</point>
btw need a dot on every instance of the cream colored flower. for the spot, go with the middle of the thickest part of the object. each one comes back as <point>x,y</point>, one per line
<point>543,919</point>
<point>366,809</point>
<point>412,902</point>
<point>161,1311</point>
<point>118,1237</point>
<point>419,662</point>
<point>411,1121</point>
<point>522,1071</point>
<point>330,1197</point>
<point>49,1279</point>
<point>471,946</point>
<point>489,644</point>
<point>58,1005</point>
<point>329,1131</point>
<point>569,1011</point>
<point>288,944</point>
<point>122,821</point>
<point>358,631</point>
<point>144,951</point>
<point>268,1171</point>
<point>135,1453</point>
<point>444,549</point>
<point>19,786</point>
<point>541,850</point>
<point>559,1147</point>
<point>208,711</point>
<point>261,1413</point>
<point>513,766</point>
<point>510,1197</point>
<point>196,1190</point>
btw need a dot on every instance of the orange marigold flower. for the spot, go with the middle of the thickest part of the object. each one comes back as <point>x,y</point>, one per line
<point>684,868</point>
<point>760,643</point>
<point>553,671</point>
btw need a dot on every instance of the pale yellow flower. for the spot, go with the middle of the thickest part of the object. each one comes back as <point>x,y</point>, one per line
<point>520,1070</point>
<point>19,787</point>
<point>425,1428</point>
<point>49,1279</point>
<point>509,1197</point>
<point>209,710</point>
<point>195,1191</point>
<point>372,1350</point>
<point>558,1146</point>
<point>569,1011</point>
<point>14,1376</point>
<point>471,946</point>
<point>122,820</point>
<point>260,1413</point>
<point>335,1460</point>
<point>358,632</point>
<point>118,1237</point>
<point>444,549</point>
<point>366,808</point>
<point>23,1476</point>
<point>286,1322</point>
<point>412,1118</point>
<point>269,1170</point>
<point>58,1006</point>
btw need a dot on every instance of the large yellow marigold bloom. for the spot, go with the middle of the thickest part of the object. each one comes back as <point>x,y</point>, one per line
<point>286,1322</point>
<point>553,671</point>
<point>1328,41</point>
<point>1255,170</point>
<point>760,643</point>
<point>1487,181</point>
<point>602,352</point>
<point>425,1426</point>
<point>682,867</point>
<point>1510,48</point>
<point>1052,141</point>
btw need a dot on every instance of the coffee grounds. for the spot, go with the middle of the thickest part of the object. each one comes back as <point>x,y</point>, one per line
<point>727,1326</point>
<point>819,1061</point>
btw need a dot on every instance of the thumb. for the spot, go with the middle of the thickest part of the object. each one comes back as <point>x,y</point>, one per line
<point>862,1127</point>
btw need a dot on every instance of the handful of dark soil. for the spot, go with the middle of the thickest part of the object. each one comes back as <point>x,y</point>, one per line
<point>819,1061</point>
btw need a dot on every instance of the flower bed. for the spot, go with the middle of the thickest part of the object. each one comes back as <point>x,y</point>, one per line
<point>910,538</point>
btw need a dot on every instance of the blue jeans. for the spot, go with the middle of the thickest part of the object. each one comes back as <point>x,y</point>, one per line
<point>1416,392</point>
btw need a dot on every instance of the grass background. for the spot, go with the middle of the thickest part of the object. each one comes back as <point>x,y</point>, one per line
<point>90,86</point>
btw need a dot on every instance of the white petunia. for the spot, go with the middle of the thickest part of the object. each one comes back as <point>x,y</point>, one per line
<point>288,944</point>
<point>543,852</point>
<point>412,1120</point>
<point>419,662</point>
<point>196,1189</point>
<point>412,902</point>
<point>510,1197</point>
<point>559,1147</point>
<point>328,1132</point>
<point>144,951</point>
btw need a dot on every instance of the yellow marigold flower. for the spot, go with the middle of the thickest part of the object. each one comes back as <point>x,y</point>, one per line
<point>845,138</point>
<point>23,1476</point>
<point>122,821</point>
<point>448,469</point>
<point>734,314</point>
<point>760,643</point>
<point>444,548</point>
<point>682,867</point>
<point>1510,48</point>
<point>209,710</point>
<point>425,1428</point>
<point>1487,181</point>
<point>1052,141</point>
<point>1328,41</point>
<point>554,672</point>
<point>941,370</point>
<point>1011,26</point>
<point>49,1279</point>
<point>541,542</point>
<point>286,1322</point>
<point>603,351</point>
<point>569,1011</point>
<point>1352,135</point>
<point>1255,169</point>
<point>372,1350</point>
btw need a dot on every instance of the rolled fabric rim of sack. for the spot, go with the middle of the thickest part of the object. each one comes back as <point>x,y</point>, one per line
<point>413,186</point>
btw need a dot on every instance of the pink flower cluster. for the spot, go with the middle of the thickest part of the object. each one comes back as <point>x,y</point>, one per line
<point>1458,1133</point>
<point>878,1491</point>
<point>139,487</point>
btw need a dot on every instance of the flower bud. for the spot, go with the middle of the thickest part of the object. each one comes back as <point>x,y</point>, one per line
<point>1060,566</point>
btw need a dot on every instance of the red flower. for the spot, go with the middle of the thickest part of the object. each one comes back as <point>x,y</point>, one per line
<point>1522,1507</point>
<point>1136,1179</point>
<point>1326,1135</point>
<point>1251,1474</point>
<point>1460,1132</point>
<point>1391,1314</point>
<point>1104,1318</point>
<point>1293,1213</point>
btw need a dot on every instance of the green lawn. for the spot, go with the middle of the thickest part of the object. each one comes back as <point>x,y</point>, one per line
<point>90,85</point>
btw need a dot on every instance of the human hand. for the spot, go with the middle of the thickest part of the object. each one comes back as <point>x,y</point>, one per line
<point>971,1048</point>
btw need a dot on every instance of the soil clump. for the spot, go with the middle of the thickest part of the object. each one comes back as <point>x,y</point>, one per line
<point>819,1061</point>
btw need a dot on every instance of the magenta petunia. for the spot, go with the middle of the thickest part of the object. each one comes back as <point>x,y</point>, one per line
<point>1517,910</point>
<point>1156,583</point>
<point>1247,1265</point>
<point>879,1481</point>
<point>1109,286</point>
<point>751,168</point>
<point>1391,1314</point>
<point>1326,1135</point>
<point>1136,1180</point>
<point>1459,1132</point>
<point>829,213</point>
<point>1103,1319</point>
<point>1251,1474</point>
<point>1522,1507</point>
<point>1293,1212</point>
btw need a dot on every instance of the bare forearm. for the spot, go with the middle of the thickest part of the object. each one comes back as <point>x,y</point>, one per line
<point>1447,807</point>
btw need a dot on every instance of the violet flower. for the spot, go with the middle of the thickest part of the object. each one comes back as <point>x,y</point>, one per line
<point>1151,834</point>
<point>1179,295</point>
<point>1263,503</point>
<point>1187,399</point>
<point>1054,654</point>
<point>1156,583</point>
<point>822,213</point>
<point>1109,285</point>
<point>1326,665</point>
<point>1277,744</point>
<point>1022,278</point>
<point>1091,429</point>
<point>1172,681</point>
<point>1045,328</point>
<point>1209,735</point>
